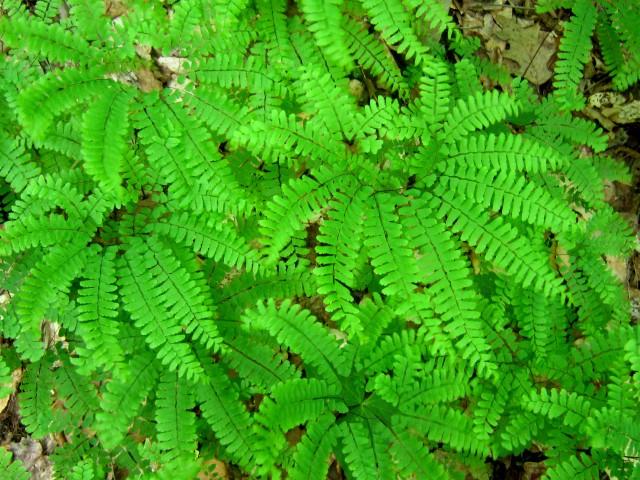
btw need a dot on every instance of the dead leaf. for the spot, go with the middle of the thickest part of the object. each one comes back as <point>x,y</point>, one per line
<point>32,455</point>
<point>147,81</point>
<point>619,267</point>
<point>529,49</point>
<point>213,469</point>
<point>16,377</point>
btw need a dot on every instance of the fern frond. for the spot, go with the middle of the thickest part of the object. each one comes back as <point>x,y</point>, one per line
<point>52,275</point>
<point>389,251</point>
<point>298,401</point>
<point>312,453</point>
<point>13,470</point>
<point>216,110</point>
<point>477,112</point>
<point>149,295</point>
<point>55,93</point>
<point>175,422</point>
<point>340,238</point>
<point>435,94</point>
<point>104,138</point>
<point>372,55</point>
<point>89,19</point>
<point>297,328</point>
<point>575,47</point>
<point>49,41</point>
<point>501,244</point>
<point>35,398</point>
<point>554,122</point>
<point>246,290</point>
<point>413,458</point>
<point>83,471</point>
<point>434,13</point>
<point>6,382</point>
<point>16,166</point>
<point>443,424</point>
<point>450,290</point>
<point>122,396</point>
<point>256,362</point>
<point>379,115</point>
<point>394,23</point>
<point>539,320</point>
<point>31,231</point>
<point>210,236</point>
<point>381,358</point>
<point>555,403</point>
<point>97,313</point>
<point>612,170</point>
<point>505,152</point>
<point>287,213</point>
<point>273,26</point>
<point>227,417</point>
<point>512,195</point>
<point>365,447</point>
<point>325,22</point>
<point>321,95</point>
<point>77,393</point>
<point>283,135</point>
<point>579,467</point>
<point>232,71</point>
<point>490,407</point>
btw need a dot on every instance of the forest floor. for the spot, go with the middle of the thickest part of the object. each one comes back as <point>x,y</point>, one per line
<point>526,43</point>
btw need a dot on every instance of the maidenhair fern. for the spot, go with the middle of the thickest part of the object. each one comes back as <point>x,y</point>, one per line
<point>615,23</point>
<point>283,234</point>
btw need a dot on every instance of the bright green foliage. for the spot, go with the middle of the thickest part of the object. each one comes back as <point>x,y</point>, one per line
<point>13,470</point>
<point>615,23</point>
<point>281,234</point>
<point>574,52</point>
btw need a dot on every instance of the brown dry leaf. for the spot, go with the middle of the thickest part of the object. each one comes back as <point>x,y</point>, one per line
<point>518,43</point>
<point>529,50</point>
<point>619,267</point>
<point>115,8</point>
<point>533,470</point>
<point>147,81</point>
<point>16,377</point>
<point>627,113</point>
<point>33,457</point>
<point>213,469</point>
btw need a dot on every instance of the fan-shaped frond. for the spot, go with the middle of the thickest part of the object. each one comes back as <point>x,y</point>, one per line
<point>394,23</point>
<point>49,41</point>
<point>227,417</point>
<point>299,330</point>
<point>366,449</point>
<point>175,422</point>
<point>575,47</point>
<point>442,424</point>
<point>477,112</point>
<point>122,397</point>
<point>312,453</point>
<point>104,137</point>
<point>372,55</point>
<point>389,250</point>
<point>35,398</point>
<point>97,313</point>
<point>151,295</point>
<point>298,401</point>
<point>505,152</point>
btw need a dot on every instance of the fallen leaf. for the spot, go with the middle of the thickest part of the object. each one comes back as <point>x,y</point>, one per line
<point>529,49</point>
<point>213,469</point>
<point>16,377</point>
